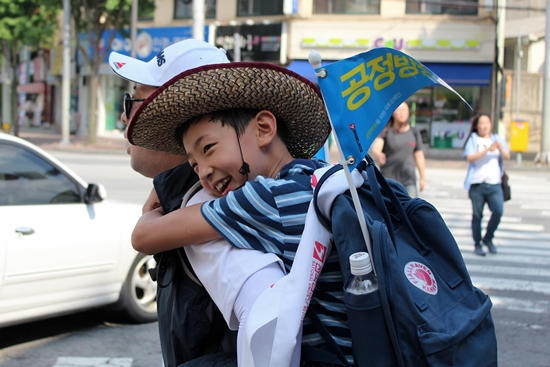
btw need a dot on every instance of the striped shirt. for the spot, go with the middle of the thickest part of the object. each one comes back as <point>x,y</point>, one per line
<point>268,215</point>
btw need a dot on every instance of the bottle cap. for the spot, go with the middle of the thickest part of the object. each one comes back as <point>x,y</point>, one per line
<point>360,263</point>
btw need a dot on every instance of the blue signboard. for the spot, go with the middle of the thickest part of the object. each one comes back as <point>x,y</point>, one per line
<point>150,41</point>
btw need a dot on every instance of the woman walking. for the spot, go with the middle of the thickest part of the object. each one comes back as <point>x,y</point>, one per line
<point>485,151</point>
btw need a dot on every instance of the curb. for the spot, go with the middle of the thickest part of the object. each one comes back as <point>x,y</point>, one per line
<point>49,139</point>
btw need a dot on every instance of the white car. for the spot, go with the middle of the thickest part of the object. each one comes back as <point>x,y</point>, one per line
<point>63,248</point>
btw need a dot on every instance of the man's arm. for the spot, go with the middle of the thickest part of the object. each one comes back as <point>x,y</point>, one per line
<point>421,165</point>
<point>151,203</point>
<point>156,232</point>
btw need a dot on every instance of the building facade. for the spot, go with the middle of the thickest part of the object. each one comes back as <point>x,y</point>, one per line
<point>455,39</point>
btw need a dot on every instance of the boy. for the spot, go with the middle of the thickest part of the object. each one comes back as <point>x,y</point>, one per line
<point>261,122</point>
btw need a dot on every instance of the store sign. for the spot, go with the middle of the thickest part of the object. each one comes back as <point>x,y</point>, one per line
<point>258,42</point>
<point>150,41</point>
<point>395,43</point>
<point>452,133</point>
<point>443,44</point>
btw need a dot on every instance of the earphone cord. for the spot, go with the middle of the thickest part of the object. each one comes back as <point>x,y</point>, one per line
<point>245,168</point>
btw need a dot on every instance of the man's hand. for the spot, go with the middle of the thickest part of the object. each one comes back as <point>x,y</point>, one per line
<point>151,203</point>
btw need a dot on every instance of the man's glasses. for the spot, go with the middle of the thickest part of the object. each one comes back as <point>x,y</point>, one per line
<point>128,101</point>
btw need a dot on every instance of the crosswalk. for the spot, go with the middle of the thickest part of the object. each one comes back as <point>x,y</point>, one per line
<point>523,238</point>
<point>93,362</point>
<point>517,278</point>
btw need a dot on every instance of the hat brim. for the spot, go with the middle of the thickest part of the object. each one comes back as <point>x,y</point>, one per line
<point>203,90</point>
<point>131,69</point>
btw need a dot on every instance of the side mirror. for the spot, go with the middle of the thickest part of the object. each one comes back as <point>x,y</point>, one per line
<point>95,193</point>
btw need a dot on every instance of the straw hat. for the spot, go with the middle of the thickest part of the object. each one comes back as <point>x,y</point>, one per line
<point>210,88</point>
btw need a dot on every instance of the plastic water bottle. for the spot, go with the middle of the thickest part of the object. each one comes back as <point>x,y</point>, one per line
<point>363,281</point>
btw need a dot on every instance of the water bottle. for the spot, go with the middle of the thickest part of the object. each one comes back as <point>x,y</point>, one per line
<point>363,281</point>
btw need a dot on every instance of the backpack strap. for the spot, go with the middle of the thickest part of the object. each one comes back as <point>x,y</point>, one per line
<point>378,181</point>
<point>320,355</point>
<point>322,218</point>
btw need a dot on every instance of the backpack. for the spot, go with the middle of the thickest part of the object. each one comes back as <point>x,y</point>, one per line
<point>426,311</point>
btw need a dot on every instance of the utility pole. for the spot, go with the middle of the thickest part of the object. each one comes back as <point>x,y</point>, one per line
<point>542,156</point>
<point>501,20</point>
<point>198,19</point>
<point>518,83</point>
<point>66,75</point>
<point>133,37</point>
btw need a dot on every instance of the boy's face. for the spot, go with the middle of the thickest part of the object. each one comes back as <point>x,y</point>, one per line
<point>213,152</point>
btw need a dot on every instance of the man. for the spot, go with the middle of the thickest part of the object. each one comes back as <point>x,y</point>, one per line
<point>190,325</point>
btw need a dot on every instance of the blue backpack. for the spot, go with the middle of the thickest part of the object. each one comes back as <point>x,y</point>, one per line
<point>426,311</point>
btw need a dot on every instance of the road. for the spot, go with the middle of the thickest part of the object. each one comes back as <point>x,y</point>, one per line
<point>517,278</point>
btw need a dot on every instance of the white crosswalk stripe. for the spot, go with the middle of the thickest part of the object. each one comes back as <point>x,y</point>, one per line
<point>93,362</point>
<point>522,239</point>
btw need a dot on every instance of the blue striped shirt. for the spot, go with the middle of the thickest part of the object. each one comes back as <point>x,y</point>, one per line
<point>268,215</point>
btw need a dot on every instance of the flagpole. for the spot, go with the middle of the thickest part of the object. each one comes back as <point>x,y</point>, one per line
<point>315,59</point>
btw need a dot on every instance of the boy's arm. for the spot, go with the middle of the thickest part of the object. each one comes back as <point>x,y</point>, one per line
<point>155,232</point>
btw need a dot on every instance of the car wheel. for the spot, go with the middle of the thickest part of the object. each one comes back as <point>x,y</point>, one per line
<point>139,293</point>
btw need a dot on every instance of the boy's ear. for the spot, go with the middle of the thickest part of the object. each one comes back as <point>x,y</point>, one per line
<point>266,127</point>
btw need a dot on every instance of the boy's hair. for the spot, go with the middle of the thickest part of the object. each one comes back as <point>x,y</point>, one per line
<point>237,118</point>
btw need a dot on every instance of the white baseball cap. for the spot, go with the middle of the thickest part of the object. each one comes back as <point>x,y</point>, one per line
<point>173,60</point>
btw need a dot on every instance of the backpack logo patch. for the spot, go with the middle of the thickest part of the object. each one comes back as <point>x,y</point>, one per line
<point>421,277</point>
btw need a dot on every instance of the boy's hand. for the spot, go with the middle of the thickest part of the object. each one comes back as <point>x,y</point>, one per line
<point>151,203</point>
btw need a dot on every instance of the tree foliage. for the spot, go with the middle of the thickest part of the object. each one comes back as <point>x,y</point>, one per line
<point>28,22</point>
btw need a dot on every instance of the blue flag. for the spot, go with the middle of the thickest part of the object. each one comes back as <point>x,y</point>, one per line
<point>361,93</point>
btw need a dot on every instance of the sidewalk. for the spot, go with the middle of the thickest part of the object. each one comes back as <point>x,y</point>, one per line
<point>48,138</point>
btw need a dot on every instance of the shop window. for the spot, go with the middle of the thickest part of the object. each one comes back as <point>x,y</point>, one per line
<point>441,116</point>
<point>183,9</point>
<point>346,6</point>
<point>146,10</point>
<point>247,8</point>
<point>453,7</point>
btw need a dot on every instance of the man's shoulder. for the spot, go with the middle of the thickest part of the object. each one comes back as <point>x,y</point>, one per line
<point>173,184</point>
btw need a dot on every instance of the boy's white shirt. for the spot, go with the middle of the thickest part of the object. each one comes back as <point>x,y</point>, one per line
<point>223,268</point>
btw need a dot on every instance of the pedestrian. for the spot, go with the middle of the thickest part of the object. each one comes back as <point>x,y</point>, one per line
<point>250,140</point>
<point>398,150</point>
<point>191,328</point>
<point>485,152</point>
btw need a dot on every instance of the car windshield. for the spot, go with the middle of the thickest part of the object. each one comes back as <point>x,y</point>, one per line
<point>28,179</point>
